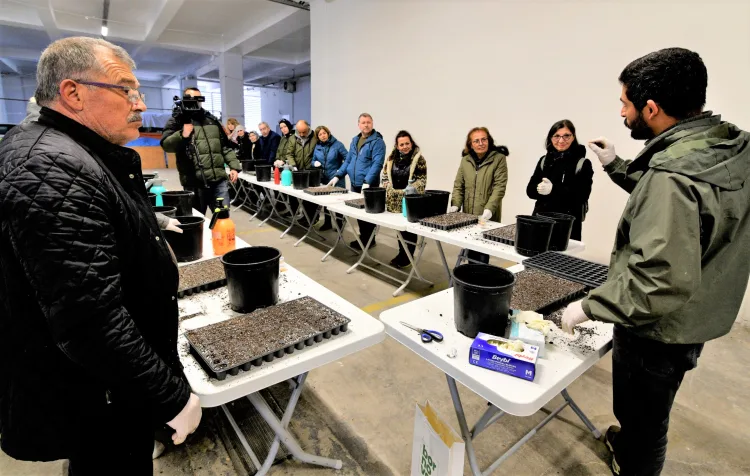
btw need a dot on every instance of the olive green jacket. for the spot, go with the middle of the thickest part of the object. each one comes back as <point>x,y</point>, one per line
<point>286,146</point>
<point>477,190</point>
<point>301,156</point>
<point>680,262</point>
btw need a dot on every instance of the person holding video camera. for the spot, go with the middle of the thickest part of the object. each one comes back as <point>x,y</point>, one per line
<point>203,150</point>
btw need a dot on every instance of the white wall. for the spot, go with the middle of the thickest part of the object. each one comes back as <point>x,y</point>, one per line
<point>515,67</point>
<point>275,103</point>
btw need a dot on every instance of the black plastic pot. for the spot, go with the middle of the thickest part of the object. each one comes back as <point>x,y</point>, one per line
<point>374,199</point>
<point>248,166</point>
<point>561,231</point>
<point>417,207</point>
<point>481,299</point>
<point>263,173</point>
<point>152,199</point>
<point>180,199</point>
<point>252,277</point>
<point>168,211</point>
<point>314,178</point>
<point>439,201</point>
<point>301,179</point>
<point>188,245</point>
<point>533,234</point>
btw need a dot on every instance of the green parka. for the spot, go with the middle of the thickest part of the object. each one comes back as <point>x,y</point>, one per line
<point>286,147</point>
<point>680,263</point>
<point>301,156</point>
<point>482,188</point>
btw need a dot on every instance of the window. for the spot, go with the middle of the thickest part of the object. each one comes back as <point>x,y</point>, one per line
<point>252,109</point>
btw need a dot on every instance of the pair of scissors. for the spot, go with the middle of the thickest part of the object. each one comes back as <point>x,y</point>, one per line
<point>426,335</point>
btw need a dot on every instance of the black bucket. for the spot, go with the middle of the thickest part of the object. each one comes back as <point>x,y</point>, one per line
<point>188,245</point>
<point>439,201</point>
<point>301,179</point>
<point>263,173</point>
<point>418,207</point>
<point>314,178</point>
<point>374,199</point>
<point>252,277</point>
<point>533,234</point>
<point>248,166</point>
<point>561,231</point>
<point>167,211</point>
<point>182,200</point>
<point>481,299</point>
<point>152,199</point>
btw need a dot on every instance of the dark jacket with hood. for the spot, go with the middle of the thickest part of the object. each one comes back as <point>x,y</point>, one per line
<point>88,286</point>
<point>679,266</point>
<point>570,190</point>
<point>331,154</point>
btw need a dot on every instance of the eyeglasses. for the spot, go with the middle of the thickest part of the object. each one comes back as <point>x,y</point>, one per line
<point>564,138</point>
<point>133,94</point>
<point>483,140</point>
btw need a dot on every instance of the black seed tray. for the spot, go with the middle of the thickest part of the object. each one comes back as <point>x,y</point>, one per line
<point>328,191</point>
<point>288,348</point>
<point>432,222</point>
<point>201,276</point>
<point>555,292</point>
<point>510,229</point>
<point>201,288</point>
<point>356,203</point>
<point>569,267</point>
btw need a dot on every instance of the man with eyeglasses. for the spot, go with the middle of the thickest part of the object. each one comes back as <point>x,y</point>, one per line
<point>203,153</point>
<point>88,284</point>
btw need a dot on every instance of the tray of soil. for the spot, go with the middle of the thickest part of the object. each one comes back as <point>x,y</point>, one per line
<point>543,293</point>
<point>356,203</point>
<point>247,341</point>
<point>324,190</point>
<point>583,344</point>
<point>450,221</point>
<point>505,235</point>
<point>568,267</point>
<point>202,276</point>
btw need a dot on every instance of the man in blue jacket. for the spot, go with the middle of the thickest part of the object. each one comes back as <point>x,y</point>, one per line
<point>363,165</point>
<point>269,142</point>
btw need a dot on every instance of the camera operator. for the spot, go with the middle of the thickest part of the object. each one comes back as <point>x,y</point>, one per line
<point>202,149</point>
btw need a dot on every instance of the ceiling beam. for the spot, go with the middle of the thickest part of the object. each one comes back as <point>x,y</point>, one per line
<point>253,36</point>
<point>26,54</point>
<point>48,19</point>
<point>162,19</point>
<point>11,64</point>
<point>265,74</point>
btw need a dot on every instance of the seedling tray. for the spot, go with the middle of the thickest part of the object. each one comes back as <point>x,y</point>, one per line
<point>543,293</point>
<point>450,221</point>
<point>246,341</point>
<point>356,203</point>
<point>568,267</point>
<point>505,235</point>
<point>201,276</point>
<point>324,190</point>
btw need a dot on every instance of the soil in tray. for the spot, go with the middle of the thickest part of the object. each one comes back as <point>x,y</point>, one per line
<point>505,232</point>
<point>535,290</point>
<point>200,273</point>
<point>245,338</point>
<point>324,190</point>
<point>451,219</point>
<point>356,203</point>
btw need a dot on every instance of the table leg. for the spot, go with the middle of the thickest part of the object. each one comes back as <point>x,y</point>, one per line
<point>464,427</point>
<point>573,406</point>
<point>490,416</point>
<point>294,214</point>
<point>240,189</point>
<point>361,246</point>
<point>241,436</point>
<point>311,223</point>
<point>445,263</point>
<point>414,260</point>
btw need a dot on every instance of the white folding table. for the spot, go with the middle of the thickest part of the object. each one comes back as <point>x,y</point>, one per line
<point>560,367</point>
<point>208,308</point>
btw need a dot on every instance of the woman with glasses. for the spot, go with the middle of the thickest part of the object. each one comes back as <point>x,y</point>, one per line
<point>481,179</point>
<point>562,179</point>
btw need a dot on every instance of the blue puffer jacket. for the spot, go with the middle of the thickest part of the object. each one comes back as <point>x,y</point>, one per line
<point>331,154</point>
<point>365,166</point>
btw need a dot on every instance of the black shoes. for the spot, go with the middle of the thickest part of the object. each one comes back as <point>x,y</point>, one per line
<point>355,245</point>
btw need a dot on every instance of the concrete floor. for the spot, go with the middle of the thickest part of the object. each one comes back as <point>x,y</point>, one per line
<point>361,409</point>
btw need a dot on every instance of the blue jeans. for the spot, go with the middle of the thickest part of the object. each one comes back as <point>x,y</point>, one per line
<point>208,195</point>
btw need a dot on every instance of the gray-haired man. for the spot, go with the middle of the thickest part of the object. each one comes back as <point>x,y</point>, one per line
<point>88,310</point>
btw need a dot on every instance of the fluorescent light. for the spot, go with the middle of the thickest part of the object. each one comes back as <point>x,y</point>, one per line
<point>105,30</point>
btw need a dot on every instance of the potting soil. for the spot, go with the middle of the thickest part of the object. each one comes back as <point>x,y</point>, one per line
<point>356,203</point>
<point>586,339</point>
<point>194,276</point>
<point>450,221</point>
<point>537,291</point>
<point>505,234</point>
<point>324,190</point>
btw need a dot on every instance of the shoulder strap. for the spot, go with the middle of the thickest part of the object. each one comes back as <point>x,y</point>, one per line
<point>541,164</point>
<point>579,165</point>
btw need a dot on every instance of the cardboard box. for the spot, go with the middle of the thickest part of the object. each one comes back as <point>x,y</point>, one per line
<point>519,331</point>
<point>485,352</point>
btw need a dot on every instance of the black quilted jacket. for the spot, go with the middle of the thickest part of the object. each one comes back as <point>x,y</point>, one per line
<point>88,312</point>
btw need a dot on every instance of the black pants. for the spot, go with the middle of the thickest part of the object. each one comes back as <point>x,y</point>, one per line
<point>477,256</point>
<point>575,232</point>
<point>646,375</point>
<point>118,442</point>
<point>409,238</point>
<point>365,228</point>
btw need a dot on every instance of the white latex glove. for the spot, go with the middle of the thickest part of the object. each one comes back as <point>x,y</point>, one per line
<point>187,420</point>
<point>173,226</point>
<point>365,186</point>
<point>486,215</point>
<point>294,169</point>
<point>317,164</point>
<point>333,182</point>
<point>607,154</point>
<point>278,164</point>
<point>452,209</point>
<point>573,316</point>
<point>544,187</point>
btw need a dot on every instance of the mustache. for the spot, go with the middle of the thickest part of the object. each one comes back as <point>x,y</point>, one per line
<point>135,117</point>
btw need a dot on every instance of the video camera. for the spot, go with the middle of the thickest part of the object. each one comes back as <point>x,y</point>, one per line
<point>187,107</point>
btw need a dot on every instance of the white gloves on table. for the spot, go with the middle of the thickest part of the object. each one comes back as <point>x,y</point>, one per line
<point>606,154</point>
<point>317,164</point>
<point>544,187</point>
<point>294,169</point>
<point>452,209</point>
<point>365,186</point>
<point>486,215</point>
<point>187,420</point>
<point>573,316</point>
<point>172,226</point>
<point>278,164</point>
<point>333,182</point>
